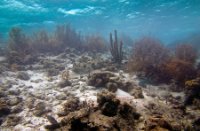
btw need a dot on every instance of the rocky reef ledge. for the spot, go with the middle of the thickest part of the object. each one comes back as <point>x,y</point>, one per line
<point>108,115</point>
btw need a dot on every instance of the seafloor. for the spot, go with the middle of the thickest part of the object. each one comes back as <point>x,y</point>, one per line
<point>34,97</point>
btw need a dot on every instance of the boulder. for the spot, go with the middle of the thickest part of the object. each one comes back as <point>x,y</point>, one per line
<point>108,80</point>
<point>40,109</point>
<point>23,75</point>
<point>137,93</point>
<point>64,83</point>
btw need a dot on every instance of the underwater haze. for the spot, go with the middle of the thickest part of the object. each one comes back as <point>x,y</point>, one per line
<point>168,20</point>
<point>99,65</point>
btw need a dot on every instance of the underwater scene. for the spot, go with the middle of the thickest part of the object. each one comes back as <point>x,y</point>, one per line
<point>99,65</point>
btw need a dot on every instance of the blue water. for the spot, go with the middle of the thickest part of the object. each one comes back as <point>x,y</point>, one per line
<point>167,20</point>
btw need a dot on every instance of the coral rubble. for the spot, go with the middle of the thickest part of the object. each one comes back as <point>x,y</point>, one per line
<point>110,115</point>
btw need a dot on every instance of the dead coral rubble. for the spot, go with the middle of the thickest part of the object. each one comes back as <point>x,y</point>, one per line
<point>158,123</point>
<point>137,92</point>
<point>108,80</point>
<point>86,64</point>
<point>109,115</point>
<point>100,78</point>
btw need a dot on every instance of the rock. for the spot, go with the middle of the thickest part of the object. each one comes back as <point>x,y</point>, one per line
<point>64,83</point>
<point>60,67</point>
<point>37,80</point>
<point>75,87</point>
<point>54,125</point>
<point>30,102</point>
<point>81,68</point>
<point>40,109</point>
<point>3,93</point>
<point>14,101</point>
<point>99,78</point>
<point>196,124</point>
<point>158,123</point>
<point>103,121</point>
<point>52,72</point>
<point>7,85</point>
<point>3,68</point>
<point>111,86</point>
<point>72,104</point>
<point>108,80</point>
<point>61,97</point>
<point>4,108</point>
<point>29,59</point>
<point>65,75</point>
<point>39,95</point>
<point>128,112</point>
<point>137,92</point>
<point>13,120</point>
<point>16,67</point>
<point>23,75</point>
<point>83,88</point>
<point>1,121</point>
<point>17,109</point>
<point>15,92</point>
<point>85,64</point>
<point>109,115</point>
<point>51,119</point>
<point>47,64</point>
<point>108,103</point>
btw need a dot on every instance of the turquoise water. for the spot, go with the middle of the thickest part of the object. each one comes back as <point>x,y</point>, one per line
<point>168,20</point>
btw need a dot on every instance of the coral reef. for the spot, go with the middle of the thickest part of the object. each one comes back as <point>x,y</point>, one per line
<point>110,115</point>
<point>86,64</point>
<point>73,104</point>
<point>78,89</point>
<point>108,80</point>
<point>158,123</point>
